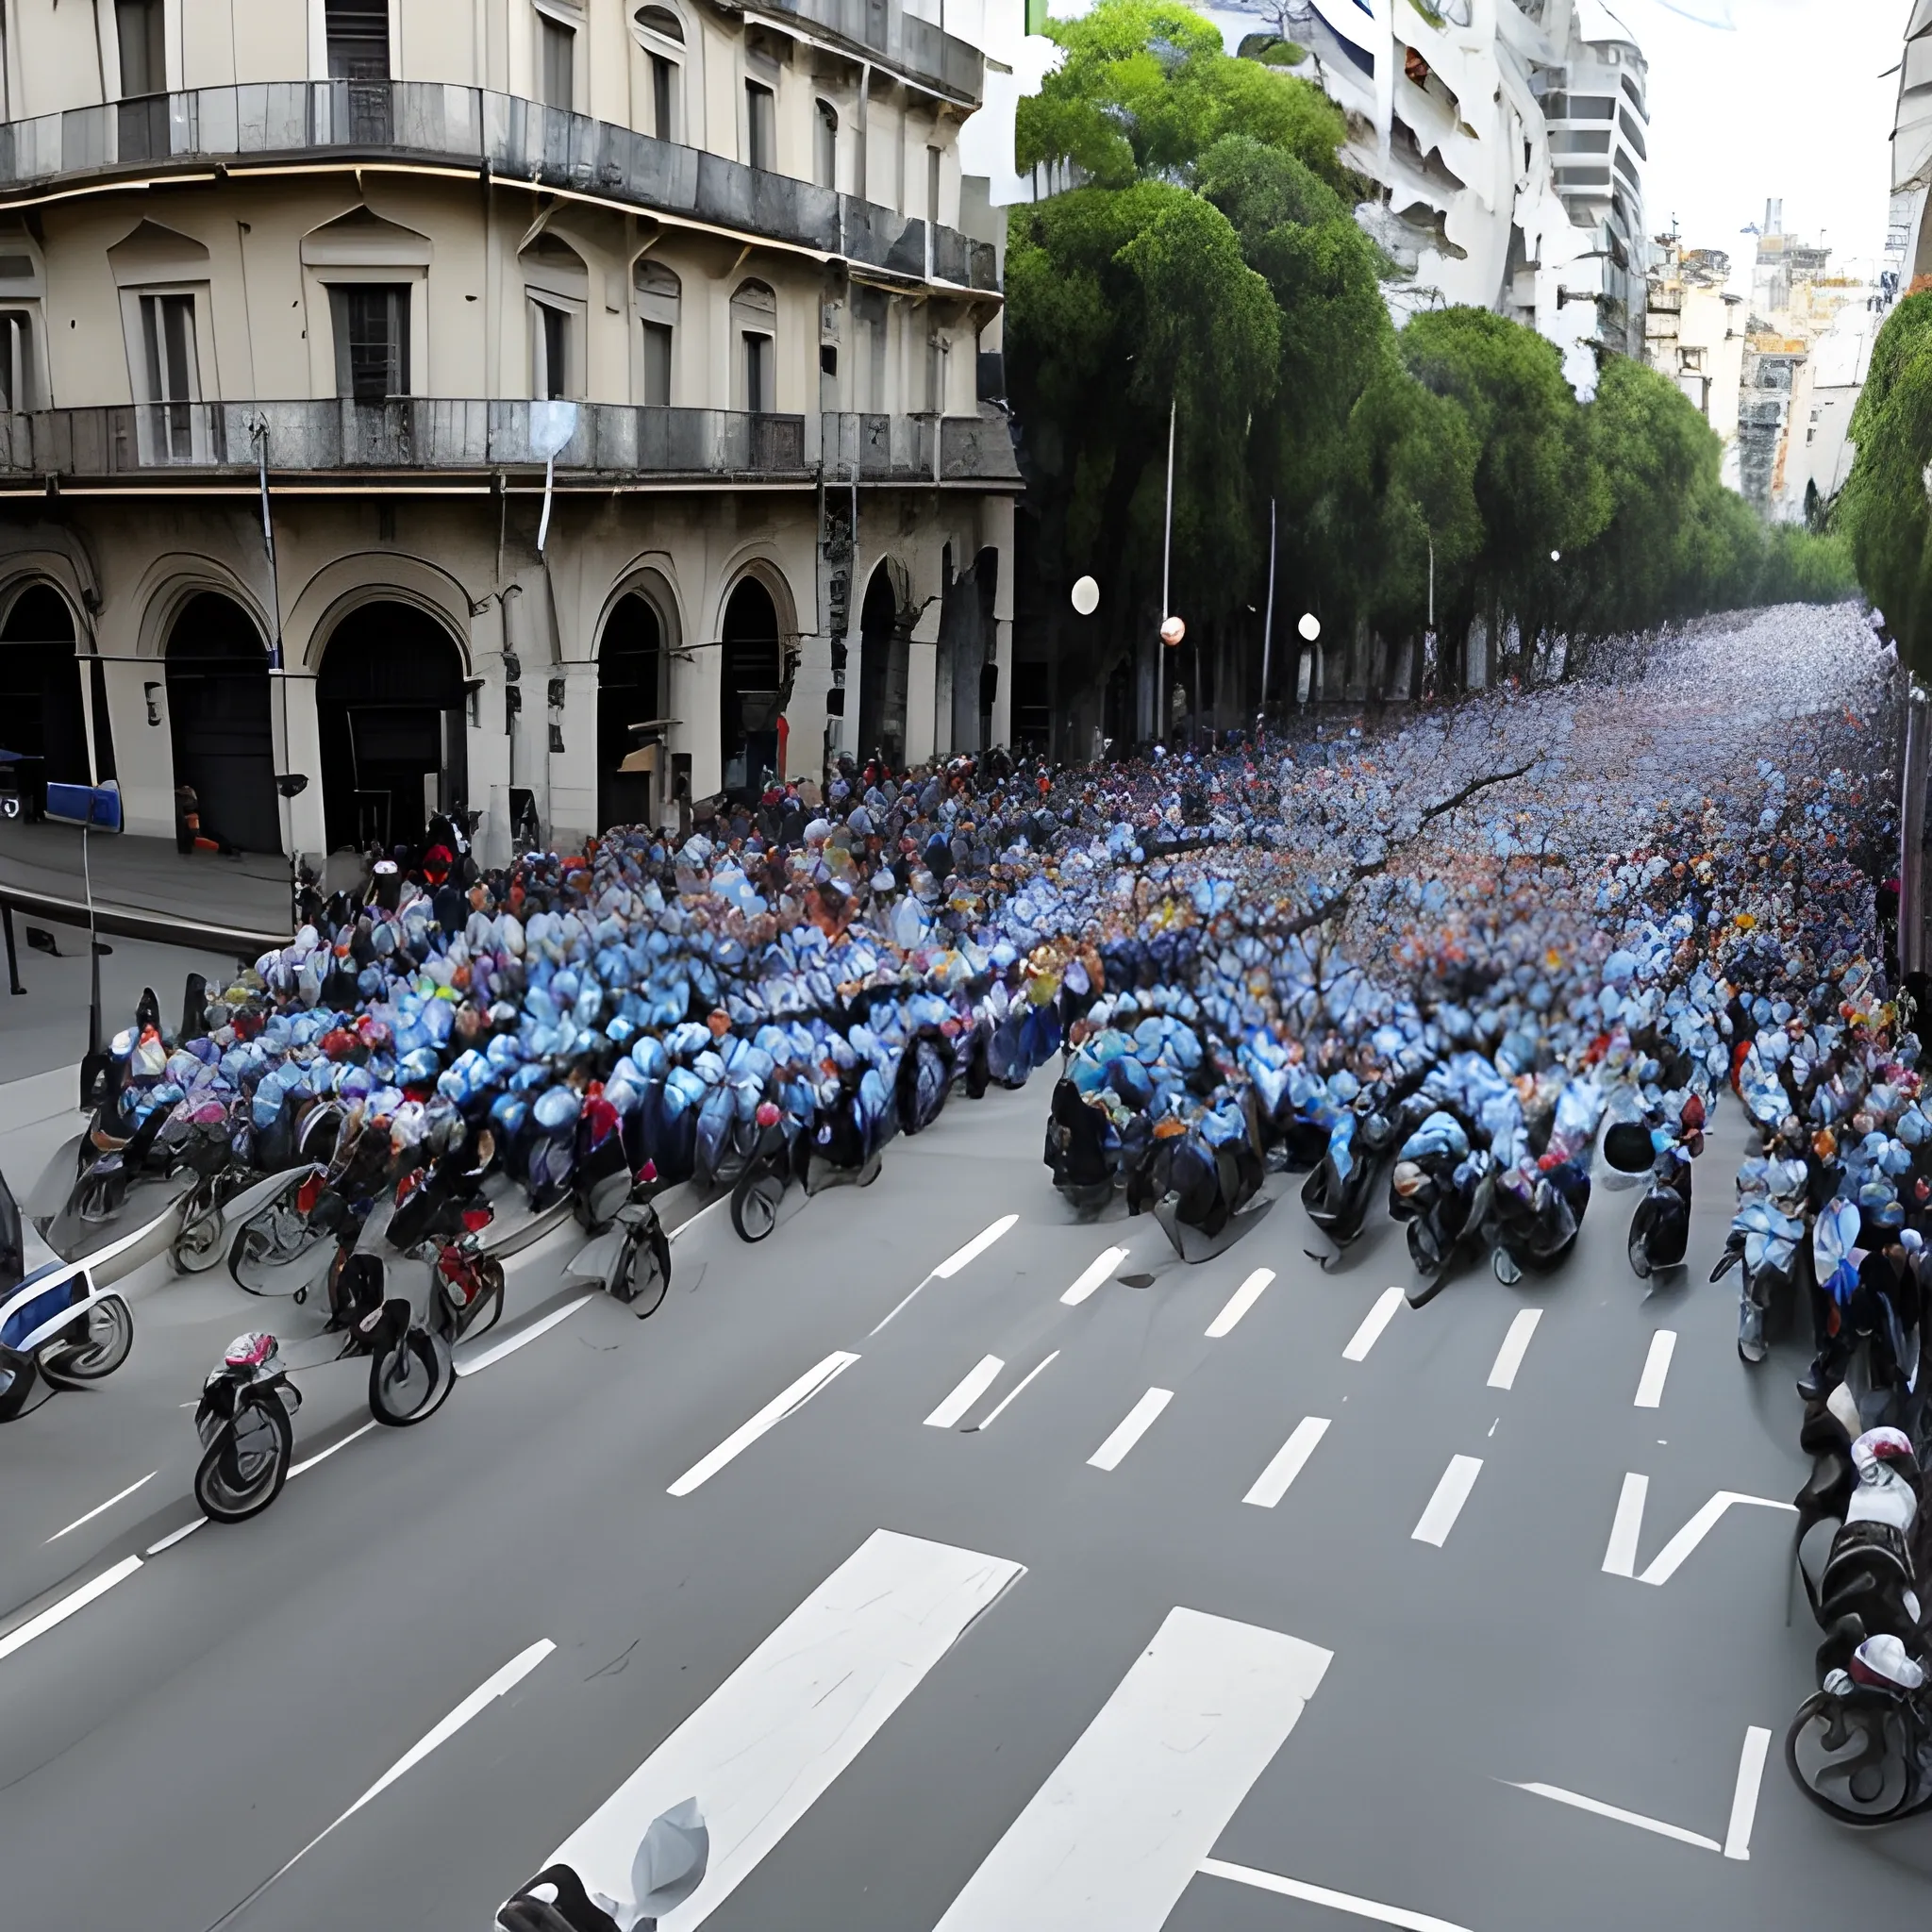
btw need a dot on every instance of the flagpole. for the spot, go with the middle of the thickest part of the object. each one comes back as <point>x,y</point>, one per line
<point>1166,607</point>
<point>1268,621</point>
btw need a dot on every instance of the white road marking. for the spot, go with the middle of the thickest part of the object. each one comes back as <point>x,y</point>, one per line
<point>1320,1895</point>
<point>1617,1813</point>
<point>1238,1303</point>
<point>75,1600</point>
<point>971,1387</point>
<point>485,1695</point>
<point>1619,1560</point>
<point>475,1364</point>
<point>988,1421</point>
<point>101,1509</point>
<point>1657,1365</point>
<point>1287,1462</point>
<point>709,1208</point>
<point>1112,1839</point>
<point>771,1740</point>
<point>177,1536</point>
<point>1445,1505</point>
<point>773,1412</point>
<point>955,1261</point>
<point>1092,1276</point>
<point>1136,1423</point>
<point>1374,1323</point>
<point>1515,1346</point>
<point>1669,1559</point>
<point>324,1455</point>
<point>975,1247</point>
<point>1744,1795</point>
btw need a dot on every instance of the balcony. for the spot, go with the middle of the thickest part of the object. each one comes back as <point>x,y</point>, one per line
<point>914,46</point>
<point>613,442</point>
<point>501,136</point>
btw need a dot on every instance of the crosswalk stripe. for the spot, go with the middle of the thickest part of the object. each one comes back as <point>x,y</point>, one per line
<point>1287,1462</point>
<point>970,1387</point>
<point>1096,1273</point>
<point>1238,1303</point>
<point>1515,1346</point>
<point>769,1417</point>
<point>1445,1505</point>
<point>1112,1839</point>
<point>771,1740</point>
<point>1378,1318</point>
<point>1136,1423</point>
<point>1657,1365</point>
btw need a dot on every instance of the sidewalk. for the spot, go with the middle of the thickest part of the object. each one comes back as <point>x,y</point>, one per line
<point>145,889</point>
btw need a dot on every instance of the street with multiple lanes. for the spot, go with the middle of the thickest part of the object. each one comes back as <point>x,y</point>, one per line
<point>973,1568</point>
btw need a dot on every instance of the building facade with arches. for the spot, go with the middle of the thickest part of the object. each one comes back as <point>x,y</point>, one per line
<point>549,405</point>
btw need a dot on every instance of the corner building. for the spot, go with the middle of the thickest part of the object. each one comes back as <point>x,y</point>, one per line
<point>704,279</point>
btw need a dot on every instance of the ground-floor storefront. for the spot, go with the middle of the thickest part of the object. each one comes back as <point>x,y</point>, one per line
<point>663,639</point>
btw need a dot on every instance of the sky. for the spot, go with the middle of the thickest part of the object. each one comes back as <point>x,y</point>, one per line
<point>1754,98</point>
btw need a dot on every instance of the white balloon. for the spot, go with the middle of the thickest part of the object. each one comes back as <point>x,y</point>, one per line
<point>1173,631</point>
<point>1310,626</point>
<point>1086,597</point>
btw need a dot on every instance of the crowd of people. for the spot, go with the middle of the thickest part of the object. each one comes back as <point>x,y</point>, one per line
<point>1455,943</point>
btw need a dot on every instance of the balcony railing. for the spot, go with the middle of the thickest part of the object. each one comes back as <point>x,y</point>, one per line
<point>901,40</point>
<point>612,440</point>
<point>502,134</point>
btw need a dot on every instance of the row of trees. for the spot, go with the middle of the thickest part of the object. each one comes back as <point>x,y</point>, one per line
<point>1212,264</point>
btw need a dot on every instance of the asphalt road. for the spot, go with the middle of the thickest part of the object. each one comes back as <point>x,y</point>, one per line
<point>1319,1706</point>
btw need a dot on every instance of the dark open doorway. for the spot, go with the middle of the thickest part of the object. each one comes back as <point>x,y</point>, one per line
<point>218,717</point>
<point>628,672</point>
<point>882,671</point>
<point>389,702</point>
<point>41,712</point>
<point>750,695</point>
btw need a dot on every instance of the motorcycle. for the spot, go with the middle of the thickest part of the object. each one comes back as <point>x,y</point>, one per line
<point>1442,1185</point>
<point>669,1865</point>
<point>1767,1242</point>
<point>1860,1747</point>
<point>1337,1194</point>
<point>1660,1227</point>
<point>245,1422</point>
<point>56,1324</point>
<point>628,1253</point>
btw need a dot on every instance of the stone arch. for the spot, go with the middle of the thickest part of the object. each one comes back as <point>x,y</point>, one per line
<point>174,580</point>
<point>41,714</point>
<point>344,584</point>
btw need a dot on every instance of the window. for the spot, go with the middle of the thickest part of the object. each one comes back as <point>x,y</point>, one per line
<point>550,353</point>
<point>658,293</point>
<point>760,125</point>
<point>754,323</point>
<point>659,25</point>
<point>1579,141</point>
<point>932,184</point>
<point>826,146</point>
<point>16,361</point>
<point>144,60</point>
<point>664,98</point>
<point>556,49</point>
<point>372,330</point>
<point>172,378</point>
<point>357,39</point>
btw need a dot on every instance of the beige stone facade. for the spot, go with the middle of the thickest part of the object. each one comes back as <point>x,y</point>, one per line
<point>721,261</point>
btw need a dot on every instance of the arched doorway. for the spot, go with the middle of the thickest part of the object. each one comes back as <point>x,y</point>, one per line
<point>628,663</point>
<point>882,671</point>
<point>42,716</point>
<point>218,717</point>
<point>751,695</point>
<point>390,703</point>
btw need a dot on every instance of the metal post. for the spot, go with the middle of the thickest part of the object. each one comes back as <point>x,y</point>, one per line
<point>13,984</point>
<point>94,941</point>
<point>1166,608</point>
<point>1911,835</point>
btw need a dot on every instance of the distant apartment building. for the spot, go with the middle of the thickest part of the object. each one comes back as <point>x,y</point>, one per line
<point>1508,142</point>
<point>609,378</point>
<point>1807,344</point>
<point>1693,332</point>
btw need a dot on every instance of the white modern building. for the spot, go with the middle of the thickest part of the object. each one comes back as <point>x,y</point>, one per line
<point>1508,139</point>
<point>623,377</point>
<point>1694,333</point>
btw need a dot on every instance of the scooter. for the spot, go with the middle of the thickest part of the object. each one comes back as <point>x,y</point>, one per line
<point>57,1324</point>
<point>245,1421</point>
<point>669,1865</point>
<point>628,1253</point>
<point>1660,1226</point>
